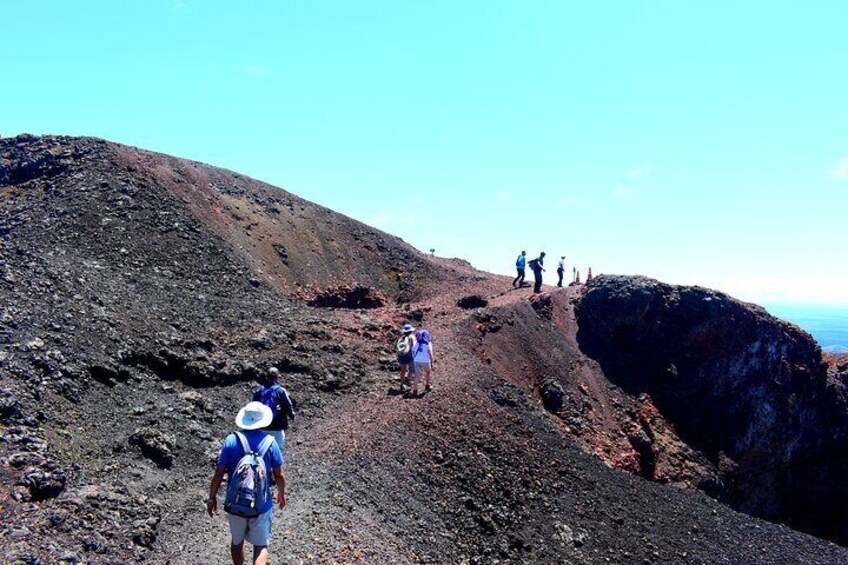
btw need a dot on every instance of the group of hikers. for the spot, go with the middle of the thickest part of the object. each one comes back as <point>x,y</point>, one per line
<point>252,459</point>
<point>415,357</point>
<point>538,266</point>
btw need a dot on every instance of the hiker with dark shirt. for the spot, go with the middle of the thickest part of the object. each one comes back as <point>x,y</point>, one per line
<point>249,458</point>
<point>537,265</point>
<point>275,397</point>
<point>560,269</point>
<point>519,266</point>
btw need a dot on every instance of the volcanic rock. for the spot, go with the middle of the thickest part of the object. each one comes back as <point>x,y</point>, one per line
<point>156,445</point>
<point>472,301</point>
<point>739,384</point>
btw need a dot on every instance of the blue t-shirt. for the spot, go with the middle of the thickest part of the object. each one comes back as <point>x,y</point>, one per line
<point>520,262</point>
<point>232,452</point>
<point>278,400</point>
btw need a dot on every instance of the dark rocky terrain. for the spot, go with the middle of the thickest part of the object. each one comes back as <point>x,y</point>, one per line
<point>141,294</point>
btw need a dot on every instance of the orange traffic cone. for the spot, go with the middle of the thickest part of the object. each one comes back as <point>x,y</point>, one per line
<point>589,275</point>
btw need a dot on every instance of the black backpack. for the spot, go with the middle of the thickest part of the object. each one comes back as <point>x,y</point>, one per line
<point>534,264</point>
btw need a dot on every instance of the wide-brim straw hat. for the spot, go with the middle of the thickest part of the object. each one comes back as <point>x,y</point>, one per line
<point>254,416</point>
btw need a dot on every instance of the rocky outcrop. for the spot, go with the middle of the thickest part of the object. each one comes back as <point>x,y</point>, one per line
<point>749,391</point>
<point>157,445</point>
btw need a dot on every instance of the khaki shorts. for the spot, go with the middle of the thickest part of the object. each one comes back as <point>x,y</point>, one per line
<point>257,531</point>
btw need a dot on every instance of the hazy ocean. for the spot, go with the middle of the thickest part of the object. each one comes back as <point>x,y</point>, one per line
<point>828,325</point>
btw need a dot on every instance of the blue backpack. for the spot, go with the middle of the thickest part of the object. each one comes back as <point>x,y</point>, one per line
<point>247,487</point>
<point>270,397</point>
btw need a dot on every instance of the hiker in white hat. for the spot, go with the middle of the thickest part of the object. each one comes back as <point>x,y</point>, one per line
<point>405,348</point>
<point>247,457</point>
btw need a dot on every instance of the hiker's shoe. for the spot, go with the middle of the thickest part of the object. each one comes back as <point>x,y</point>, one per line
<point>428,388</point>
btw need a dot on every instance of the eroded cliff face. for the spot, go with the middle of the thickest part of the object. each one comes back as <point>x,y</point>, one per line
<point>749,391</point>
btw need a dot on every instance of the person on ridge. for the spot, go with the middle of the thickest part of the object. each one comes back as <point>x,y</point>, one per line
<point>277,398</point>
<point>560,269</point>
<point>406,354</point>
<point>247,457</point>
<point>537,265</point>
<point>519,266</point>
<point>423,360</point>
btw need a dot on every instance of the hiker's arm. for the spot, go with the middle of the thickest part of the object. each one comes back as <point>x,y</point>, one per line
<point>212,503</point>
<point>280,479</point>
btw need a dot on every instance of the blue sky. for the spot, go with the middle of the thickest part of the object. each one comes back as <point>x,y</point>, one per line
<point>701,144</point>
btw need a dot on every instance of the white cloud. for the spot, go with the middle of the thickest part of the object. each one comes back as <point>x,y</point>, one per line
<point>642,171</point>
<point>503,196</point>
<point>624,193</point>
<point>256,70</point>
<point>840,170</point>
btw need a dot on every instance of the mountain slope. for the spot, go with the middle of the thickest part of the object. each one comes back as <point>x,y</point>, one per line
<point>138,304</point>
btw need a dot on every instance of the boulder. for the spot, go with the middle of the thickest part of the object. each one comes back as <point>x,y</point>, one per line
<point>156,445</point>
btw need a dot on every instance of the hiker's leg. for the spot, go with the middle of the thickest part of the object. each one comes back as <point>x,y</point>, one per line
<point>258,535</point>
<point>238,531</point>
<point>414,380</point>
<point>427,371</point>
<point>237,553</point>
<point>260,555</point>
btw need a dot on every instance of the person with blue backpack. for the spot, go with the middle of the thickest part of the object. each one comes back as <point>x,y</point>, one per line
<point>249,458</point>
<point>537,265</point>
<point>274,396</point>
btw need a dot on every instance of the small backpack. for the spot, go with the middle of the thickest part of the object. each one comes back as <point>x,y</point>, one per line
<point>247,489</point>
<point>404,344</point>
<point>533,264</point>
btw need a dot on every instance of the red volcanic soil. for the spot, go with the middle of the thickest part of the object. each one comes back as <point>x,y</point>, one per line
<point>141,296</point>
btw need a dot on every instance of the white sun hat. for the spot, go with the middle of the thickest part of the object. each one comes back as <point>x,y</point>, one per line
<point>254,416</point>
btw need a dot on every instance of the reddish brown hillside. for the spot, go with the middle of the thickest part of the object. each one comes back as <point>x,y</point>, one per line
<point>141,295</point>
